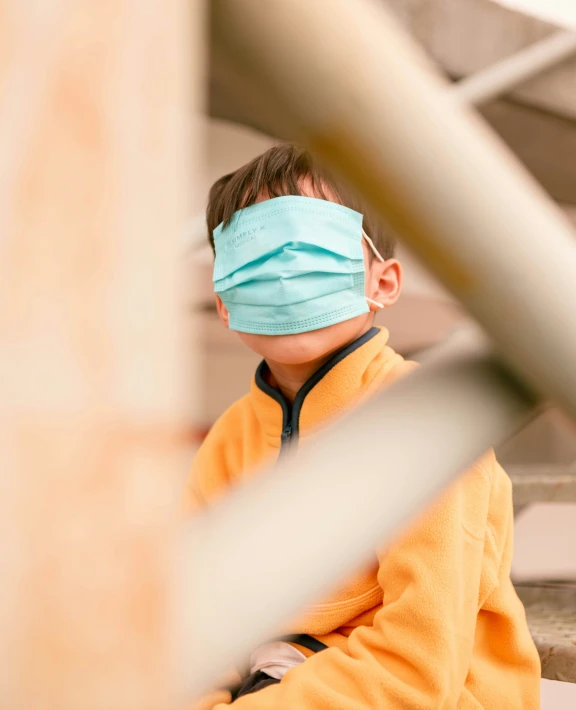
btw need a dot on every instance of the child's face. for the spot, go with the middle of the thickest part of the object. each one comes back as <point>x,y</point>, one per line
<point>383,284</point>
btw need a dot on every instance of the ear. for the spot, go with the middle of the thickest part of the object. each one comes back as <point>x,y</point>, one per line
<point>222,312</point>
<point>384,283</point>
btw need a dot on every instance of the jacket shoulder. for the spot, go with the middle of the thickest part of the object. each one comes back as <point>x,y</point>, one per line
<point>219,456</point>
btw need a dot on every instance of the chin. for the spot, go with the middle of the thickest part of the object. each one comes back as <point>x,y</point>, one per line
<point>302,348</point>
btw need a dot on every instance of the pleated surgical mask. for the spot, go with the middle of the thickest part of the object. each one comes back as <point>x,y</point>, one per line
<point>291,265</point>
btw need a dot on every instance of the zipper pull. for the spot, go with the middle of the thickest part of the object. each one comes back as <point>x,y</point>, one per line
<point>286,435</point>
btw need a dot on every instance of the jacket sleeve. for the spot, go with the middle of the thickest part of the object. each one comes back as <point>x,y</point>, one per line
<point>208,476</point>
<point>416,654</point>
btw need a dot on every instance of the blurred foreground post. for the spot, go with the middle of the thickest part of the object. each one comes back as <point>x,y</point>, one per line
<point>92,176</point>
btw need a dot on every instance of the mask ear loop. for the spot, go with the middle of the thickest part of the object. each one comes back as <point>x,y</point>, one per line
<point>373,248</point>
<point>380,258</point>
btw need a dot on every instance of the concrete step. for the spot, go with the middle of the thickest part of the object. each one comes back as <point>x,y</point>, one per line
<point>551,613</point>
<point>542,484</point>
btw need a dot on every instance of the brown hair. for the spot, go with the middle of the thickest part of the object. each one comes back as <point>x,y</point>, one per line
<point>279,172</point>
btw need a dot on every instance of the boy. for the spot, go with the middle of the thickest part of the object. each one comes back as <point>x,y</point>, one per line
<point>300,269</point>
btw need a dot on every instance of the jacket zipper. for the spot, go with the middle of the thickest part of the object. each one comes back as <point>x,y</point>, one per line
<point>289,436</point>
<point>286,436</point>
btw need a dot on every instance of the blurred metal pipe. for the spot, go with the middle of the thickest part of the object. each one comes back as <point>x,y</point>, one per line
<point>431,425</point>
<point>558,12</point>
<point>503,76</point>
<point>366,100</point>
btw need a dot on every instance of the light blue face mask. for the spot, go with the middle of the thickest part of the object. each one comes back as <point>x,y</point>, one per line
<point>291,265</point>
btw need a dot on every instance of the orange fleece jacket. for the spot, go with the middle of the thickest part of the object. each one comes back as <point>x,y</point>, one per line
<point>435,621</point>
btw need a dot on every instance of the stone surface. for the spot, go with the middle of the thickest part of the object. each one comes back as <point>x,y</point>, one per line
<point>551,613</point>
